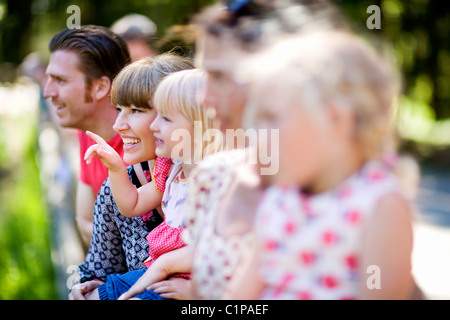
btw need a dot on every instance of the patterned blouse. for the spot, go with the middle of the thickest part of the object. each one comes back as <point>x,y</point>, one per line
<point>118,244</point>
<point>312,245</point>
<point>216,257</point>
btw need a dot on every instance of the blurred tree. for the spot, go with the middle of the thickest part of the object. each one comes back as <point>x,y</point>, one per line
<point>15,22</point>
<point>22,21</point>
<point>419,32</point>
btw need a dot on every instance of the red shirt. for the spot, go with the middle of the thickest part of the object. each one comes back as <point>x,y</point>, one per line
<point>163,239</point>
<point>95,173</point>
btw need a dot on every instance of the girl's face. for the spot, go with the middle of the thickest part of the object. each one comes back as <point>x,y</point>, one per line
<point>174,135</point>
<point>138,142</point>
<point>303,140</point>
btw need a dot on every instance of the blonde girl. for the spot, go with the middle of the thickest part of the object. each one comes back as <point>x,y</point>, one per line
<point>177,102</point>
<point>118,243</point>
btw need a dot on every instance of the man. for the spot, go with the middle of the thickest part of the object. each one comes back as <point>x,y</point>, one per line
<point>82,66</point>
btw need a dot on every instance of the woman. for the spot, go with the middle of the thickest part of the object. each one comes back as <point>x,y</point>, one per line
<point>118,243</point>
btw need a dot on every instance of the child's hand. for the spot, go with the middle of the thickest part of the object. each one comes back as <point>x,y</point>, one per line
<point>109,157</point>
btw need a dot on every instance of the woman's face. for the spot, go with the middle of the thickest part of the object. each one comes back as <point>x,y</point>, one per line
<point>132,124</point>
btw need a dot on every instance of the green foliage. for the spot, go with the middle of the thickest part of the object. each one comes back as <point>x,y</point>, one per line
<point>419,33</point>
<point>40,20</point>
<point>26,270</point>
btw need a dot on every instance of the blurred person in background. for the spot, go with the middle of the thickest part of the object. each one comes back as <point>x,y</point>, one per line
<point>138,31</point>
<point>33,66</point>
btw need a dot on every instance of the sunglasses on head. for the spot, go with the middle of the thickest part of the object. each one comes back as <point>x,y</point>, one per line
<point>236,5</point>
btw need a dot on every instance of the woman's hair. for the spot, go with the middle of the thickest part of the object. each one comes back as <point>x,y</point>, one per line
<point>334,68</point>
<point>183,91</point>
<point>137,82</point>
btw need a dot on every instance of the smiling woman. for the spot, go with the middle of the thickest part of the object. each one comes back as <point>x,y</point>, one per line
<point>118,241</point>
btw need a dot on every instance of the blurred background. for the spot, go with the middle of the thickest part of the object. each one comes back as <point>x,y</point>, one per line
<point>39,247</point>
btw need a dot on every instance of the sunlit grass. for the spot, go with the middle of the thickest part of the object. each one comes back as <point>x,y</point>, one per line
<point>26,270</point>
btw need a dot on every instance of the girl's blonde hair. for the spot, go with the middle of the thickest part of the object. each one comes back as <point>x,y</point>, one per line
<point>183,90</point>
<point>136,83</point>
<point>335,68</point>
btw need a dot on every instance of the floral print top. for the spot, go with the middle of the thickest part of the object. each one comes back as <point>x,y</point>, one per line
<point>311,247</point>
<point>216,257</point>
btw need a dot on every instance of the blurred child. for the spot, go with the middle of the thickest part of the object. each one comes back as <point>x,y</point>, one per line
<point>177,102</point>
<point>342,228</point>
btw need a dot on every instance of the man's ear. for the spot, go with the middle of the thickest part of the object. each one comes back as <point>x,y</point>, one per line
<point>101,87</point>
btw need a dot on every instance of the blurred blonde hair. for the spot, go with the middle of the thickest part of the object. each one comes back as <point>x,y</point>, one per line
<point>334,68</point>
<point>183,90</point>
<point>137,82</point>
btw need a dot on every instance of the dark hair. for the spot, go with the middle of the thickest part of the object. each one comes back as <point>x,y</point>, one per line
<point>244,19</point>
<point>101,52</point>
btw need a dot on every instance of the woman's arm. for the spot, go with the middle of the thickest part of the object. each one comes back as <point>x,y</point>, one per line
<point>176,261</point>
<point>386,253</point>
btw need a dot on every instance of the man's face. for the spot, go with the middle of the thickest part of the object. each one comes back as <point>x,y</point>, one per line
<point>66,87</point>
<point>222,92</point>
